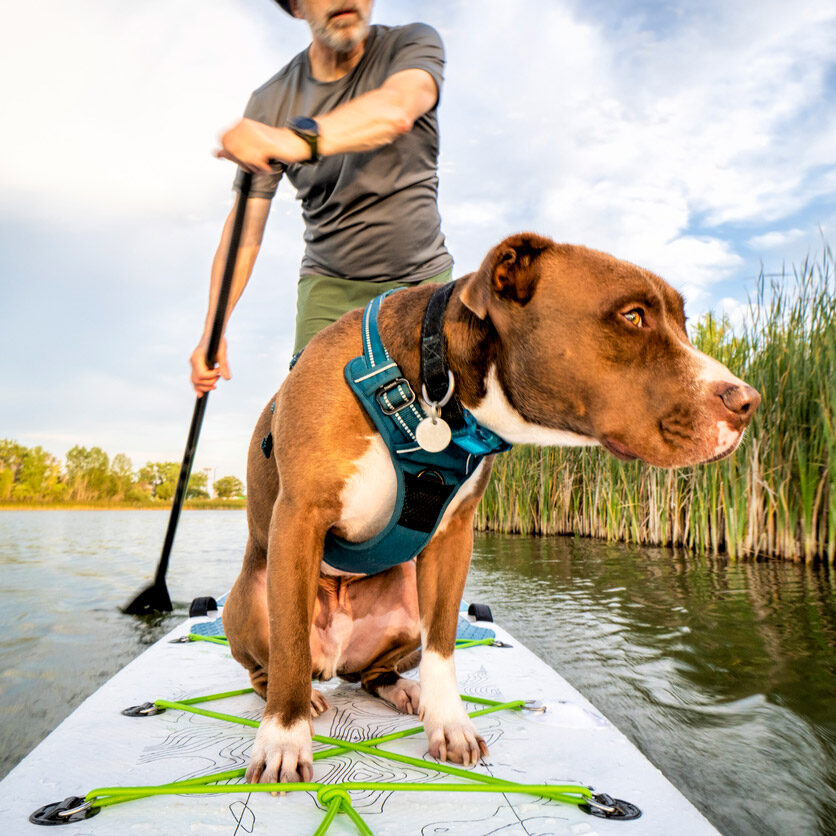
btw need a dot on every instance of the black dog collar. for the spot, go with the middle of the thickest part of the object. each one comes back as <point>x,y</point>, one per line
<point>435,374</point>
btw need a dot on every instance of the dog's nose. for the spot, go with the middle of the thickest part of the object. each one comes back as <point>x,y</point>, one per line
<point>740,398</point>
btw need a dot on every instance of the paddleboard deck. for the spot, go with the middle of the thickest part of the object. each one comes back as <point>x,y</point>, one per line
<point>569,742</point>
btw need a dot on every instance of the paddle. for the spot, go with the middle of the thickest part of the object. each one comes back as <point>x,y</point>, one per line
<point>156,598</point>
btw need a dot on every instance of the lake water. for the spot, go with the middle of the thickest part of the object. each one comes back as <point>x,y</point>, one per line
<point>723,674</point>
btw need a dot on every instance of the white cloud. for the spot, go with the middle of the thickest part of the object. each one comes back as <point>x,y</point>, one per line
<point>735,311</point>
<point>775,240</point>
<point>627,141</point>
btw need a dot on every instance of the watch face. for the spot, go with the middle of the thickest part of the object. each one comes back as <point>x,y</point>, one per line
<point>306,124</point>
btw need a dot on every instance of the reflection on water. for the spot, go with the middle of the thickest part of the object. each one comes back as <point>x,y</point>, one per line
<point>723,674</point>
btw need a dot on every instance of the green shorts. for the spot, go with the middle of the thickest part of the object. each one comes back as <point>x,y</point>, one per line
<point>322,300</point>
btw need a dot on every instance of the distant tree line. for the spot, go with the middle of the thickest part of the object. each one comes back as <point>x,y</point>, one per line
<point>31,474</point>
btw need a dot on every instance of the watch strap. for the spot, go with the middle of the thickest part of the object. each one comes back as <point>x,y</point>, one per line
<point>307,129</point>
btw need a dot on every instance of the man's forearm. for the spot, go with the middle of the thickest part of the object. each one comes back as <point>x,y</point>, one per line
<point>243,270</point>
<point>370,121</point>
<point>248,249</point>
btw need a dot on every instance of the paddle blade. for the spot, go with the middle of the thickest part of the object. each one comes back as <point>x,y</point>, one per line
<point>154,599</point>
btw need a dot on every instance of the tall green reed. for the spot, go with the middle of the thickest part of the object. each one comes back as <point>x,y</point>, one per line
<point>776,495</point>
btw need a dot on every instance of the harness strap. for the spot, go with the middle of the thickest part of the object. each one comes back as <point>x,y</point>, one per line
<point>383,379</point>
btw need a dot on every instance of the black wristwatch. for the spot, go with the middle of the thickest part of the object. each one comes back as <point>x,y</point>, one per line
<point>306,128</point>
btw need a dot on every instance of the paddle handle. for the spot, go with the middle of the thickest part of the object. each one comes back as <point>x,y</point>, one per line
<point>211,357</point>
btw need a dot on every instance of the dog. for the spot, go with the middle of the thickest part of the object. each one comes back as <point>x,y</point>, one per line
<point>548,344</point>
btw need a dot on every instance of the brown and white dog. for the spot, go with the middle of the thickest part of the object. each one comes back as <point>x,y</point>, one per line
<point>549,344</point>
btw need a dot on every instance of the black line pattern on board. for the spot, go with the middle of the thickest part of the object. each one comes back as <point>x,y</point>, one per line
<point>502,824</point>
<point>243,815</point>
<point>207,744</point>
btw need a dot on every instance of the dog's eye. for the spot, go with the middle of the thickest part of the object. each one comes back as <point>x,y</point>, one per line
<point>635,317</point>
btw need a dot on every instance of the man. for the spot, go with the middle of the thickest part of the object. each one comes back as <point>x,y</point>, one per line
<point>352,122</point>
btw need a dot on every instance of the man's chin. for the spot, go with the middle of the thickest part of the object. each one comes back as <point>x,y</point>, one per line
<point>346,38</point>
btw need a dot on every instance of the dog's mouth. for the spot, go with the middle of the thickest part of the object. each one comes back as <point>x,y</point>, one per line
<point>619,450</point>
<point>624,453</point>
<point>727,452</point>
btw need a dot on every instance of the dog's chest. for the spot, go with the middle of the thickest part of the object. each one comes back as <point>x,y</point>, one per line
<point>369,494</point>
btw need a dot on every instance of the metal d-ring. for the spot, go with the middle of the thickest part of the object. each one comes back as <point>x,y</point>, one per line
<point>607,807</point>
<point>436,405</point>
<point>75,810</point>
<point>604,808</point>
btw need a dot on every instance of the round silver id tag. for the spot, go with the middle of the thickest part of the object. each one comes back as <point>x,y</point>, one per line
<point>433,434</point>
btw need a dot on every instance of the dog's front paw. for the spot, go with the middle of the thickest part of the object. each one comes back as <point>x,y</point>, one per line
<point>451,733</point>
<point>454,738</point>
<point>281,753</point>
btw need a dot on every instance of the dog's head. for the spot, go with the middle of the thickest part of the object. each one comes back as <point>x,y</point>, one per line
<point>590,349</point>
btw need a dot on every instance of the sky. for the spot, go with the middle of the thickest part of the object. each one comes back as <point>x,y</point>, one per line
<point>697,139</point>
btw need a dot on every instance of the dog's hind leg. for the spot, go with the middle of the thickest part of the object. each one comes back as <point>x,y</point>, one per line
<point>403,694</point>
<point>245,617</point>
<point>383,680</point>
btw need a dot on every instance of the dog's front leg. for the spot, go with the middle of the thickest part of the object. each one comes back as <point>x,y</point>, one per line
<point>282,749</point>
<point>442,570</point>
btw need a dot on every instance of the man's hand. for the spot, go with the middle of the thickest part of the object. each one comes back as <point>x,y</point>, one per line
<point>254,146</point>
<point>205,379</point>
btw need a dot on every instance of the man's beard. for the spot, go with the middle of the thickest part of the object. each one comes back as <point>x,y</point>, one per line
<point>342,37</point>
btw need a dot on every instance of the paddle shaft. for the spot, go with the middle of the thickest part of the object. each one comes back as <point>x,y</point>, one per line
<point>200,403</point>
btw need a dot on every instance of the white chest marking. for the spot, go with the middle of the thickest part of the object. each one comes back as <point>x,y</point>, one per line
<point>368,497</point>
<point>496,413</point>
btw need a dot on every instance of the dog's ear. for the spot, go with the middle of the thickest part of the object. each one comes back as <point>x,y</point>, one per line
<point>510,271</point>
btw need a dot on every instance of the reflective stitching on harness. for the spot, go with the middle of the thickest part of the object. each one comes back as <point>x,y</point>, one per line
<point>403,425</point>
<point>366,315</point>
<point>378,370</point>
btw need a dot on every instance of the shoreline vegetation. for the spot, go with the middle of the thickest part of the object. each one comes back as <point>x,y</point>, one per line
<point>34,478</point>
<point>774,497</point>
<point>104,505</point>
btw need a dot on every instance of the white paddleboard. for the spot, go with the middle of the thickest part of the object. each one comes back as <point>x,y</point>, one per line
<point>569,742</point>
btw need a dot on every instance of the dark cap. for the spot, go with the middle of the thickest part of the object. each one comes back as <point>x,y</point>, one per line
<point>285,4</point>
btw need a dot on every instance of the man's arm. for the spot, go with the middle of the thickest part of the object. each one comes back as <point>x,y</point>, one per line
<point>370,121</point>
<point>204,379</point>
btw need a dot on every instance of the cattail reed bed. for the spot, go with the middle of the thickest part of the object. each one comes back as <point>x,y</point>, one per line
<point>775,496</point>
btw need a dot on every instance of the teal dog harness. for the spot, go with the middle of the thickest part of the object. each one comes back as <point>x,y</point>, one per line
<point>426,481</point>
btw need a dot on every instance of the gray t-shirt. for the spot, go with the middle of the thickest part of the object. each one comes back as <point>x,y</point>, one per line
<point>369,215</point>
